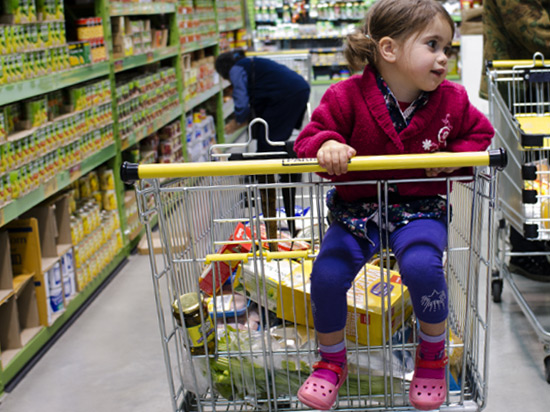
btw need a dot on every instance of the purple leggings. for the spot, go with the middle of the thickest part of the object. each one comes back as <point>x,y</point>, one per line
<point>418,248</point>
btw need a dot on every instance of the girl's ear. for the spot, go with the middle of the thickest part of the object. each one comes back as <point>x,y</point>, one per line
<point>388,49</point>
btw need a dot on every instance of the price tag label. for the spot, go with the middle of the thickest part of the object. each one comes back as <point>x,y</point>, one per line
<point>2,219</point>
<point>150,57</point>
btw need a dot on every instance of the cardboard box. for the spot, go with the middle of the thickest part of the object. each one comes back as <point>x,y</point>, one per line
<point>26,259</point>
<point>285,290</point>
<point>6,272</point>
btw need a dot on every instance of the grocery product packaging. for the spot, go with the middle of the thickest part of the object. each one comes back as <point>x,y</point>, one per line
<point>284,288</point>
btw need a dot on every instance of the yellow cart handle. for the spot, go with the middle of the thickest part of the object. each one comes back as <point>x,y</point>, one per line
<point>536,61</point>
<point>131,172</point>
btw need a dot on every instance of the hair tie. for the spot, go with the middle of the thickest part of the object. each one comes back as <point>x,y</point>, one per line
<point>367,36</point>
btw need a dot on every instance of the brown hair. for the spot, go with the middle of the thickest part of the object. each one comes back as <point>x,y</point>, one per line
<point>398,19</point>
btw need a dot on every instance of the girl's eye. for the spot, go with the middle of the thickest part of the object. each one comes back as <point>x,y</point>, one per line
<point>432,44</point>
<point>447,51</point>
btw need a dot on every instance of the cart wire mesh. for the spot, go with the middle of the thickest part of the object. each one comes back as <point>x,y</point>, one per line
<point>263,351</point>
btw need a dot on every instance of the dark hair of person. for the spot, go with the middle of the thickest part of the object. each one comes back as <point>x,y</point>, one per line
<point>225,61</point>
<point>398,19</point>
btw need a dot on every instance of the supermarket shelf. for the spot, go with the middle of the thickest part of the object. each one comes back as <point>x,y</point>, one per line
<point>136,9</point>
<point>201,98</point>
<point>230,27</point>
<point>29,88</point>
<point>191,47</point>
<point>19,206</point>
<point>144,131</point>
<point>225,84</point>
<point>42,337</point>
<point>326,50</point>
<point>146,58</point>
<point>300,37</point>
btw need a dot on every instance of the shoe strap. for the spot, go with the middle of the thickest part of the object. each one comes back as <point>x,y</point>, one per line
<point>331,366</point>
<point>431,364</point>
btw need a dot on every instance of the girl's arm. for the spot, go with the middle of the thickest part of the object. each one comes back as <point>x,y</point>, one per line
<point>475,134</point>
<point>323,138</point>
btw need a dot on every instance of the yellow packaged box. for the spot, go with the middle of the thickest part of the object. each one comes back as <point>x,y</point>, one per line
<point>285,290</point>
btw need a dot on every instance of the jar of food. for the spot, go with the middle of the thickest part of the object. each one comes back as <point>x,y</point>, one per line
<point>197,329</point>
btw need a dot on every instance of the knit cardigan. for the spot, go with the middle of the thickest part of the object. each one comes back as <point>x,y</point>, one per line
<point>354,112</point>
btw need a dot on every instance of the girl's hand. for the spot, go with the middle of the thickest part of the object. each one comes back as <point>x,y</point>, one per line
<point>437,170</point>
<point>334,157</point>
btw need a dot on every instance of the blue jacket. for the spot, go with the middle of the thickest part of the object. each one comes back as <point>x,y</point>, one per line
<point>272,85</point>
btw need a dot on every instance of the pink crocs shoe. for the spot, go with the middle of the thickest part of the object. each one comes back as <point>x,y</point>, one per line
<point>318,393</point>
<point>427,394</point>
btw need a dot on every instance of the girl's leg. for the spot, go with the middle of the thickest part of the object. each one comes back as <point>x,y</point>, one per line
<point>419,248</point>
<point>341,257</point>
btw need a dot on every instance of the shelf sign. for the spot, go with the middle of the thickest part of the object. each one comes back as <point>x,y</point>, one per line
<point>50,187</point>
<point>2,219</point>
<point>150,57</point>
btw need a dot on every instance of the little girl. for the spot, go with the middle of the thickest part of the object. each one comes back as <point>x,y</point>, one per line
<point>400,104</point>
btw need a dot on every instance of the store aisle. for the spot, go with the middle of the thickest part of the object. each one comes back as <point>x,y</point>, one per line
<point>110,359</point>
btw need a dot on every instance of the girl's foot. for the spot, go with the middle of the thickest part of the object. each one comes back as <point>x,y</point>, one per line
<point>428,388</point>
<point>319,393</point>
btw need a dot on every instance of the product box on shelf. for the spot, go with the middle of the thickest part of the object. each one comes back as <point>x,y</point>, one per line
<point>26,259</point>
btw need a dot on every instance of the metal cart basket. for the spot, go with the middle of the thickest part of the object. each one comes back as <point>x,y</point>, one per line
<point>519,108</point>
<point>246,341</point>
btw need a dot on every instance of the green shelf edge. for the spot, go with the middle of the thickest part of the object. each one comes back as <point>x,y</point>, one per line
<point>124,9</point>
<point>19,206</point>
<point>231,27</point>
<point>201,98</point>
<point>29,88</point>
<point>191,47</point>
<point>132,62</point>
<point>42,337</point>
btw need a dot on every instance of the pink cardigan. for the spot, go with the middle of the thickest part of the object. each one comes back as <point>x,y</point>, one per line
<point>354,112</point>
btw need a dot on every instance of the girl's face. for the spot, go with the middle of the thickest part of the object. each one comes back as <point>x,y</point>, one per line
<point>422,59</point>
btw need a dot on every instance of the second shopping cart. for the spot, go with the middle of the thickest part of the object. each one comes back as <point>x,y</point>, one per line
<point>234,313</point>
<point>519,106</point>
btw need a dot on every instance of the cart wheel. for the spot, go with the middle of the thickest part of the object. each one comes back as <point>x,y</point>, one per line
<point>496,290</point>
<point>547,368</point>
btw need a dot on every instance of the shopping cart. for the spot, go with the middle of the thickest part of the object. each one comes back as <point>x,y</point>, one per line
<point>519,108</point>
<point>235,318</point>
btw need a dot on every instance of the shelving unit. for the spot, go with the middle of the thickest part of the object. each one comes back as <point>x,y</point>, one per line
<point>226,16</point>
<point>319,27</point>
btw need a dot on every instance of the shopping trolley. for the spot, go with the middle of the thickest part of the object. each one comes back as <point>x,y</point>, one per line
<point>234,315</point>
<point>519,108</point>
